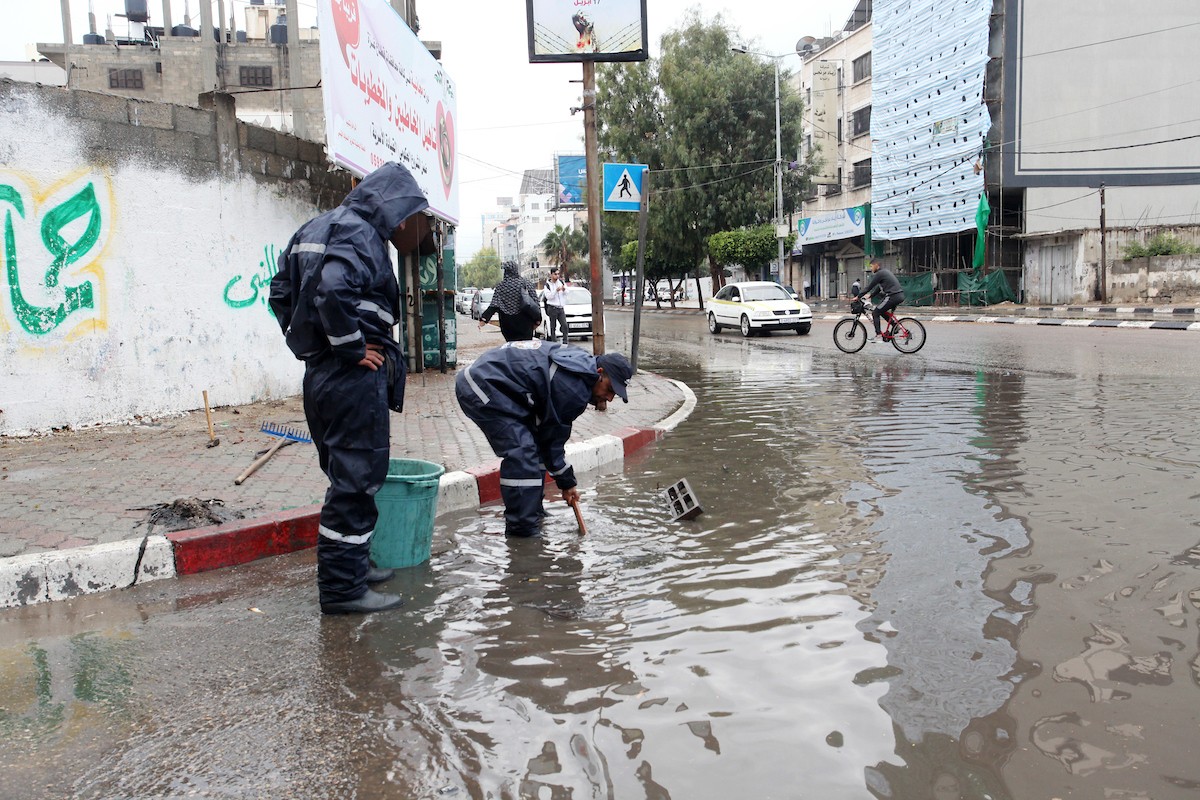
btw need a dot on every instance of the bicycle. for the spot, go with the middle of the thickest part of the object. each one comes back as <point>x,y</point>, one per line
<point>905,333</point>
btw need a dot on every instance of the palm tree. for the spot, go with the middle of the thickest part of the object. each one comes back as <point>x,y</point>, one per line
<point>557,246</point>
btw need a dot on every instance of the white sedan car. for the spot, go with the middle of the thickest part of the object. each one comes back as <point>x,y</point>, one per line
<point>578,311</point>
<point>462,299</point>
<point>757,307</point>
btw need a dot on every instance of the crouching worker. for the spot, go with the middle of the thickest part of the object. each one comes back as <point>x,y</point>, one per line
<point>525,396</point>
<point>337,299</point>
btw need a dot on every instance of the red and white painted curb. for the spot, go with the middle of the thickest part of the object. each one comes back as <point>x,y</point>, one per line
<point>41,577</point>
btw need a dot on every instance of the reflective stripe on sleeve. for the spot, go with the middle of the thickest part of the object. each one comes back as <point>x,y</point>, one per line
<point>308,247</point>
<point>367,305</point>
<point>334,341</point>
<point>483,398</point>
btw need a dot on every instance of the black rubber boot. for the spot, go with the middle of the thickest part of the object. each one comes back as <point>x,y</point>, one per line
<point>379,574</point>
<point>371,601</point>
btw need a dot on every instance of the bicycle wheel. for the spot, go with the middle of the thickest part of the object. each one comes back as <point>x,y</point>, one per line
<point>908,335</point>
<point>850,335</point>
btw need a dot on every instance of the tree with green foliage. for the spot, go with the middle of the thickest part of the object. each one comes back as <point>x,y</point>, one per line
<point>482,270</point>
<point>703,118</point>
<point>753,248</point>
<point>556,246</point>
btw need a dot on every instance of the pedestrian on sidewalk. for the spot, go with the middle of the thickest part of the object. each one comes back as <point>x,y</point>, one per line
<point>516,300</point>
<point>554,293</point>
<point>337,299</point>
<point>525,396</point>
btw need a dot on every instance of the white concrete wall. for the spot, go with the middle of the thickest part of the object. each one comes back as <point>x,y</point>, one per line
<point>168,277</point>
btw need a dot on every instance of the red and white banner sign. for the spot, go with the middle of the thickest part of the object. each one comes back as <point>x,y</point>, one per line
<point>387,99</point>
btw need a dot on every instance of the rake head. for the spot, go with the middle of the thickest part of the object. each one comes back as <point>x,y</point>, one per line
<point>286,431</point>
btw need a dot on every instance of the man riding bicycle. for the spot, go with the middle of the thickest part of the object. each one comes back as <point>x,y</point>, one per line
<point>886,282</point>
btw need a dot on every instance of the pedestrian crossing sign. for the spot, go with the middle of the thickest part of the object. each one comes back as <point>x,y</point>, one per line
<point>623,186</point>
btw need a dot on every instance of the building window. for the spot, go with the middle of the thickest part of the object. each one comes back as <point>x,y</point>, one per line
<point>862,67</point>
<point>860,122</point>
<point>839,130</point>
<point>862,173</point>
<point>254,76</point>
<point>125,79</point>
<point>835,188</point>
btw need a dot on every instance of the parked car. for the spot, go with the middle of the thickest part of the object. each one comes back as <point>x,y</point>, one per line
<point>462,299</point>
<point>480,302</point>
<point>578,310</point>
<point>757,307</point>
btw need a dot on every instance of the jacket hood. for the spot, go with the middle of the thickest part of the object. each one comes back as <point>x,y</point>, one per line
<point>386,197</point>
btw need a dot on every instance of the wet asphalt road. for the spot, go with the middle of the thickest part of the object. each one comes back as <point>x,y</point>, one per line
<point>965,573</point>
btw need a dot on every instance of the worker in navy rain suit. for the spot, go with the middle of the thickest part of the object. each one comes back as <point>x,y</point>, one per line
<point>525,396</point>
<point>337,299</point>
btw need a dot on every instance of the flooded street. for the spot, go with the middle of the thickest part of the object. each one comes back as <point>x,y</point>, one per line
<point>970,573</point>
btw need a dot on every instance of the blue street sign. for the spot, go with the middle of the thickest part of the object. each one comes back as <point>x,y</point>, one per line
<point>623,186</point>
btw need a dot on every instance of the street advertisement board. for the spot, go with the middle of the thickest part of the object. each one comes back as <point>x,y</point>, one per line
<point>387,99</point>
<point>586,30</point>
<point>841,224</point>
<point>572,181</point>
<point>823,118</point>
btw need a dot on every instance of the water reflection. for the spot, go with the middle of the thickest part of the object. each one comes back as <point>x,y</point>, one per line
<point>908,582</point>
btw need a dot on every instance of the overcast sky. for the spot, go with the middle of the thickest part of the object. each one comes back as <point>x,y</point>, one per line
<point>512,115</point>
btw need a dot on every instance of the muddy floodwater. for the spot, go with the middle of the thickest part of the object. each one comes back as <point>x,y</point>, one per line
<point>911,580</point>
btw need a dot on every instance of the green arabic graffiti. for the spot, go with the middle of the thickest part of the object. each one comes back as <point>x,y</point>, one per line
<point>242,297</point>
<point>40,320</point>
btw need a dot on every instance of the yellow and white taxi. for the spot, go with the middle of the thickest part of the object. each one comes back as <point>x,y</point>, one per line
<point>757,307</point>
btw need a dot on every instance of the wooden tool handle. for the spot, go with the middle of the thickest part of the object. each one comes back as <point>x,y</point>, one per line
<point>258,462</point>
<point>208,416</point>
<point>579,518</point>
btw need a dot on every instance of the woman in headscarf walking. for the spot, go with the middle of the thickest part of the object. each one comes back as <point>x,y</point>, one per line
<point>515,298</point>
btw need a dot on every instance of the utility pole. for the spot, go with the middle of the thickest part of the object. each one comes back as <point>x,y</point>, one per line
<point>1103,252</point>
<point>594,179</point>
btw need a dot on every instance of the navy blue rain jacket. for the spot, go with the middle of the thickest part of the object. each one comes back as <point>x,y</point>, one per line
<point>335,290</point>
<point>545,383</point>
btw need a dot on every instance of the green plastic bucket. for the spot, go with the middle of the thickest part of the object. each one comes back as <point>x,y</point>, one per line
<point>407,504</point>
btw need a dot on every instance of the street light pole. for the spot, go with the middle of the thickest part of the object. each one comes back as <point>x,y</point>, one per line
<point>778,158</point>
<point>778,173</point>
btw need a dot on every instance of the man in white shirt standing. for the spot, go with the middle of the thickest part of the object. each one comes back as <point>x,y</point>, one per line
<point>555,295</point>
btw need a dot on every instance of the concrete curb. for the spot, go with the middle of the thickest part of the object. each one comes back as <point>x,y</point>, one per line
<point>42,577</point>
<point>1168,325</point>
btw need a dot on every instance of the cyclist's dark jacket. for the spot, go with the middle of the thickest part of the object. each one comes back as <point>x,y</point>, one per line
<point>886,282</point>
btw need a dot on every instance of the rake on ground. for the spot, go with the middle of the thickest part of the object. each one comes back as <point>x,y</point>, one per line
<point>286,434</point>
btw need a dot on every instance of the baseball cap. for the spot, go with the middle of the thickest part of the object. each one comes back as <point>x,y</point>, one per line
<point>618,370</point>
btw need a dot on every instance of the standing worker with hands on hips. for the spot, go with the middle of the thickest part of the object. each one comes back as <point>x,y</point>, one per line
<point>555,295</point>
<point>337,299</point>
<point>524,396</point>
<point>886,282</point>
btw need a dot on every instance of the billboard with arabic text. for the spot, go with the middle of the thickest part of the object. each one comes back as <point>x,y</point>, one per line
<point>387,99</point>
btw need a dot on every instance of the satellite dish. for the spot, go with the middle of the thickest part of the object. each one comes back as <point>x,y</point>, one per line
<point>806,45</point>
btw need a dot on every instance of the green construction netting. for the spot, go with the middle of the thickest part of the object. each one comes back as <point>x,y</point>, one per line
<point>976,289</point>
<point>918,289</point>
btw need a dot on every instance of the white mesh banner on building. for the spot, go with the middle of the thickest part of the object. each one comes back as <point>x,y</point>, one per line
<point>928,120</point>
